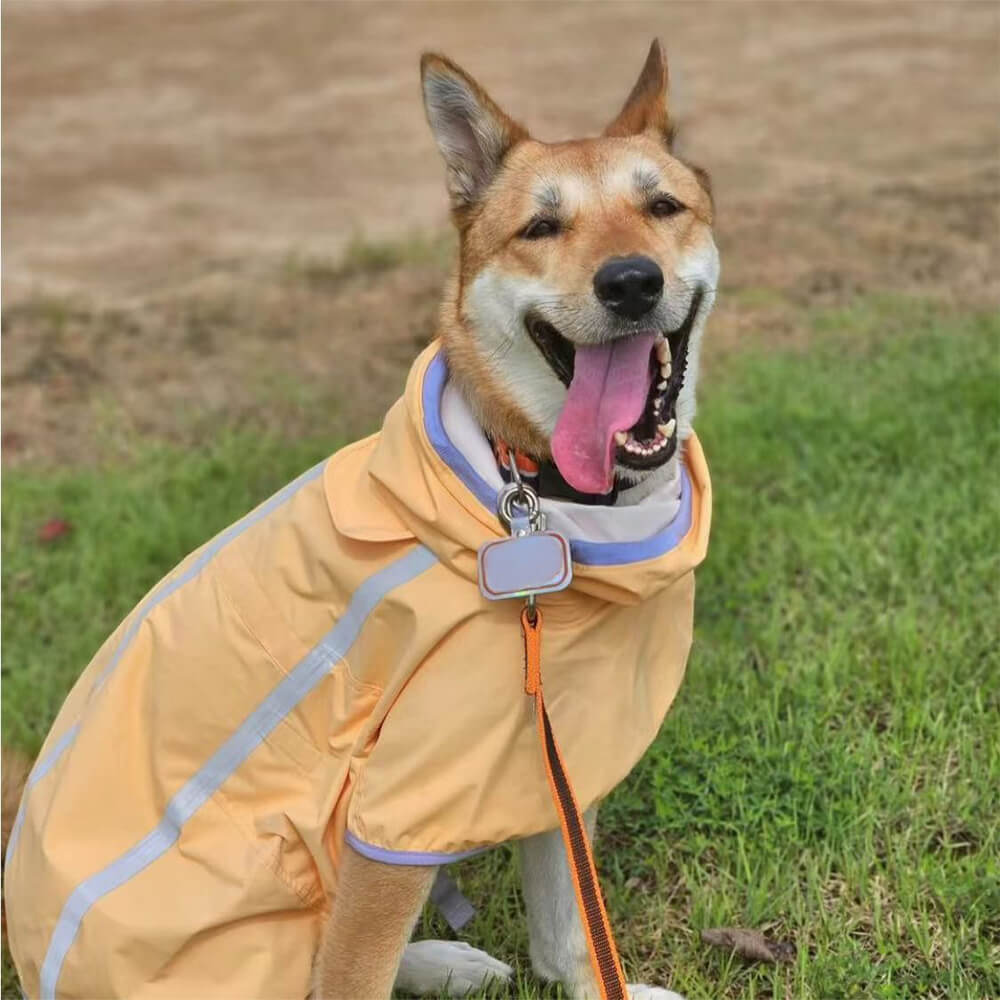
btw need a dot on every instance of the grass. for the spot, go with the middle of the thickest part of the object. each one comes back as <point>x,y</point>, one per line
<point>829,772</point>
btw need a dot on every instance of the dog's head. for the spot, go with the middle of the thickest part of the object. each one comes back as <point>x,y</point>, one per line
<point>586,271</point>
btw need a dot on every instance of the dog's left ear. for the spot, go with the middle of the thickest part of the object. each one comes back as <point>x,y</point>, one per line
<point>472,132</point>
<point>645,110</point>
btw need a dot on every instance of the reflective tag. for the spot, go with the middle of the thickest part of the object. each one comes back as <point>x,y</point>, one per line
<point>537,562</point>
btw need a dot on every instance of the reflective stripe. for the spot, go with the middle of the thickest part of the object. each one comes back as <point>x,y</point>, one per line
<point>42,767</point>
<point>389,857</point>
<point>308,673</point>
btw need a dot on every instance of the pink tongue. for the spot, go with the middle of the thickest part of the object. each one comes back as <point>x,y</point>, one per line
<point>608,394</point>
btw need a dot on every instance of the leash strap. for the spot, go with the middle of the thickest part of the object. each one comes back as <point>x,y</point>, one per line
<point>600,941</point>
<point>448,898</point>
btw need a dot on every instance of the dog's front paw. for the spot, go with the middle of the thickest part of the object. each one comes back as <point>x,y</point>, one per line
<point>447,968</point>
<point>640,991</point>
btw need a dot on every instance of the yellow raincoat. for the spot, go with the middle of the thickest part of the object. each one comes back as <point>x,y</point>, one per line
<point>323,671</point>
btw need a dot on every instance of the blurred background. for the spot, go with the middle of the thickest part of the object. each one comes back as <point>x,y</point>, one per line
<point>225,236</point>
<point>214,208</point>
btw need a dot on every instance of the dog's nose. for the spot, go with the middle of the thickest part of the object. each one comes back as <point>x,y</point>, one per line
<point>629,286</point>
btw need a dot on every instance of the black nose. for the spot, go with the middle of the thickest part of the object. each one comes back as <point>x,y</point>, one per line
<point>629,286</point>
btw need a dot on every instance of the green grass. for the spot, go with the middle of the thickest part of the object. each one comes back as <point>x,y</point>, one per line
<point>829,772</point>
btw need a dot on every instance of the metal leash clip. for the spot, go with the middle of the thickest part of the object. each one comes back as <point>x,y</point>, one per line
<point>532,560</point>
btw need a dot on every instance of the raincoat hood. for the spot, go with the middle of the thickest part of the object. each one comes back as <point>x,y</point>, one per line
<point>420,485</point>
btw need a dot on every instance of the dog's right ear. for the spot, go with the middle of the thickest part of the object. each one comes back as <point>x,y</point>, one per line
<point>473,134</point>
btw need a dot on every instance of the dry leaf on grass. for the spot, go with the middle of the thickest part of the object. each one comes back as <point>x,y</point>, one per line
<point>750,944</point>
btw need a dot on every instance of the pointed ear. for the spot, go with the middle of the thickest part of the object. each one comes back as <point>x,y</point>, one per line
<point>473,134</point>
<point>645,110</point>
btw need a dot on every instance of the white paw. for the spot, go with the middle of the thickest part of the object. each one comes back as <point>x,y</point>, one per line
<point>640,991</point>
<point>452,968</point>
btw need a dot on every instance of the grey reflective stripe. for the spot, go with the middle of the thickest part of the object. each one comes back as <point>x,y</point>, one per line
<point>39,771</point>
<point>308,673</point>
<point>211,549</point>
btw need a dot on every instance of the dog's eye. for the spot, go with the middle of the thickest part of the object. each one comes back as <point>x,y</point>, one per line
<point>538,228</point>
<point>664,206</point>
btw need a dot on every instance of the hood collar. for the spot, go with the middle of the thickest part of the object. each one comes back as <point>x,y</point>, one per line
<point>418,484</point>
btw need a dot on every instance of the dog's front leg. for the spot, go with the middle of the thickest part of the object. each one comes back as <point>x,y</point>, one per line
<point>558,944</point>
<point>364,950</point>
<point>373,915</point>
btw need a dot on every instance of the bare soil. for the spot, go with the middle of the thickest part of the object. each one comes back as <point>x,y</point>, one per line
<point>186,184</point>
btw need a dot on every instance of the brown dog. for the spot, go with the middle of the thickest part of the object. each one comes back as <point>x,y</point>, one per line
<point>537,221</point>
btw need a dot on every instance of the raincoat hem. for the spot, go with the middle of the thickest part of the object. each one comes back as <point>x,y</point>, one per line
<point>390,856</point>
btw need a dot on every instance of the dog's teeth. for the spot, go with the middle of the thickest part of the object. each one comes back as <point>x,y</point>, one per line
<point>665,369</point>
<point>662,352</point>
<point>668,428</point>
<point>657,405</point>
<point>621,437</point>
<point>661,385</point>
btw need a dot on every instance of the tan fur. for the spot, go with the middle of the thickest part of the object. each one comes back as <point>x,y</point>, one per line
<point>497,412</point>
<point>645,109</point>
<point>370,923</point>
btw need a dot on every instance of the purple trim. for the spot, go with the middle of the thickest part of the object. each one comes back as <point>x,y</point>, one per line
<point>584,552</point>
<point>615,553</point>
<point>388,857</point>
<point>433,389</point>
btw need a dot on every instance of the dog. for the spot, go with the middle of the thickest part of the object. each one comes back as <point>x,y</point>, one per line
<point>251,788</point>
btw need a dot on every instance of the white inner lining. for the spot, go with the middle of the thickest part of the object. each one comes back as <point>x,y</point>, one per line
<point>631,523</point>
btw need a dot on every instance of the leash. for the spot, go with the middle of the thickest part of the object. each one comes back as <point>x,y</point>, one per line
<point>534,561</point>
<point>600,941</point>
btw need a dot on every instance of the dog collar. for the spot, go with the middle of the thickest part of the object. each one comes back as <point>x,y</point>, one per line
<point>545,478</point>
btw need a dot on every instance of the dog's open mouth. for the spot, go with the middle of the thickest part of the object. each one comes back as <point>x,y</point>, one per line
<point>587,440</point>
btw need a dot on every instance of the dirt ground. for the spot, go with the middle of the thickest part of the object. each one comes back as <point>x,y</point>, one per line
<point>186,185</point>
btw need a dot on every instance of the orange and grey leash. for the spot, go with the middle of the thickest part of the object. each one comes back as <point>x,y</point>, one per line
<point>600,941</point>
<point>534,561</point>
